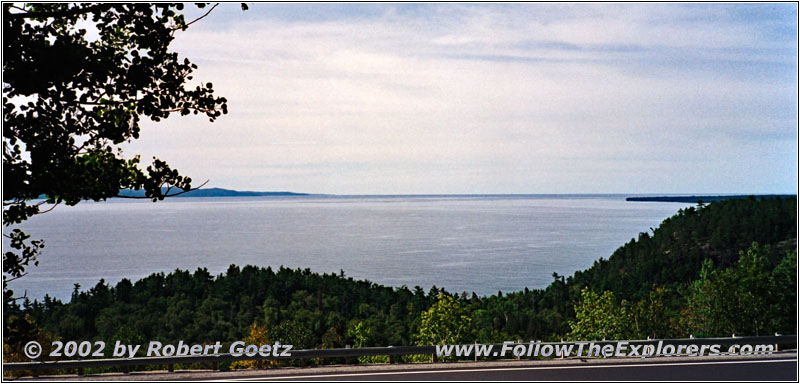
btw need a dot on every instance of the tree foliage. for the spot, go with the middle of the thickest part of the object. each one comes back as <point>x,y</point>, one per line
<point>748,298</point>
<point>362,332</point>
<point>599,317</point>
<point>259,335</point>
<point>673,254</point>
<point>445,322</point>
<point>657,315</point>
<point>77,80</point>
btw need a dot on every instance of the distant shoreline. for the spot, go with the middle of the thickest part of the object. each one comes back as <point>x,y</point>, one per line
<point>221,192</point>
<point>704,199</point>
<point>216,192</point>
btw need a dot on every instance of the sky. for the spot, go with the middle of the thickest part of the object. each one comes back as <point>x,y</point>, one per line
<point>491,98</point>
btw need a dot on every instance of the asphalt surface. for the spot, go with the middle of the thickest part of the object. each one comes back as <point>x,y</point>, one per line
<point>781,366</point>
<point>771,370</point>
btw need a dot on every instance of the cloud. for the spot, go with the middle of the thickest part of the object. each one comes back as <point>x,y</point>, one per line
<point>493,98</point>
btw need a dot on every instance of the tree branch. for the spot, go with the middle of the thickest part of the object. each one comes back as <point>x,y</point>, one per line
<point>14,278</point>
<point>49,209</point>
<point>17,7</point>
<point>165,195</point>
<point>70,12</point>
<point>204,15</point>
<point>15,201</point>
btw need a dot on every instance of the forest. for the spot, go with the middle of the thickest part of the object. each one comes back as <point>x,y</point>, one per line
<point>710,270</point>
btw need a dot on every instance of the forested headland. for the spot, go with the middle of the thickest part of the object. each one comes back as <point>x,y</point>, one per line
<point>710,270</point>
<point>699,199</point>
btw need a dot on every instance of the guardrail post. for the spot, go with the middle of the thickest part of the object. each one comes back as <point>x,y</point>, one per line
<point>35,373</point>
<point>126,369</point>
<point>81,372</point>
<point>435,358</point>
<point>776,344</point>
<point>347,358</point>
<point>170,367</point>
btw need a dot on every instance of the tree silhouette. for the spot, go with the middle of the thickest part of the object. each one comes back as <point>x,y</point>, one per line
<point>77,79</point>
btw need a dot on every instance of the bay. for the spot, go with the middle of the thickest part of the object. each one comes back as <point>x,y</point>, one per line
<point>472,243</point>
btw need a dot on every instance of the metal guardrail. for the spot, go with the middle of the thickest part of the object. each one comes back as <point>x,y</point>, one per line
<point>354,352</point>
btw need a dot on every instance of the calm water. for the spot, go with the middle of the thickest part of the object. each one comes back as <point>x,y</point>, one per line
<point>465,243</point>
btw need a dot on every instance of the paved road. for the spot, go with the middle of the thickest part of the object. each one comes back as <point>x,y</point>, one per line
<point>781,366</point>
<point>750,370</point>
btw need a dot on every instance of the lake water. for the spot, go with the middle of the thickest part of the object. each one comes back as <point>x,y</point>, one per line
<point>462,243</point>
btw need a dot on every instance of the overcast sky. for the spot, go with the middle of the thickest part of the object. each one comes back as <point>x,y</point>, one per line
<point>491,98</point>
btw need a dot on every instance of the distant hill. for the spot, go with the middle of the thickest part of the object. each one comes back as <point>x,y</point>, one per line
<point>214,192</point>
<point>705,199</point>
<point>673,252</point>
<point>206,192</point>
